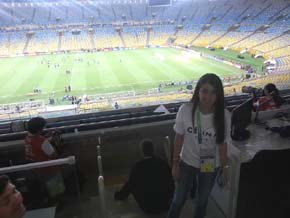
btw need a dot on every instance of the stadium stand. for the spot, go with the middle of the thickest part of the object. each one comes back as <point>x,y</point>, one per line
<point>61,26</point>
<point>123,117</point>
<point>251,18</point>
<point>259,27</point>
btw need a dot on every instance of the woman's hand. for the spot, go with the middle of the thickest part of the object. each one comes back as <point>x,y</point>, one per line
<point>224,178</point>
<point>175,170</point>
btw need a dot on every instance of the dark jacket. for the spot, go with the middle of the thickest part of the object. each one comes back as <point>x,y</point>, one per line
<point>151,184</point>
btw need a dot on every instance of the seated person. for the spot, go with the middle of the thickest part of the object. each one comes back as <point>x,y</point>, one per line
<point>11,205</point>
<point>46,183</point>
<point>150,182</point>
<point>270,99</point>
<point>37,146</point>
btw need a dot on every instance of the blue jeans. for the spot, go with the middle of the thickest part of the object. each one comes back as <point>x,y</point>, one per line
<point>205,182</point>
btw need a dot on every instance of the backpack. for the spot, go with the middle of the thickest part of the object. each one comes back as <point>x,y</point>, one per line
<point>56,141</point>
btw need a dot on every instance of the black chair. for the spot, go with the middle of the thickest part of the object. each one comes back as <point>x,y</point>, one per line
<point>264,189</point>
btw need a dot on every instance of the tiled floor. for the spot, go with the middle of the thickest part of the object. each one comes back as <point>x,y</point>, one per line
<point>90,207</point>
<point>129,208</point>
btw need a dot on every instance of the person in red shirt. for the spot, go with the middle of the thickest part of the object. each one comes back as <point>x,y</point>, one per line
<point>46,184</point>
<point>270,99</point>
<point>37,146</point>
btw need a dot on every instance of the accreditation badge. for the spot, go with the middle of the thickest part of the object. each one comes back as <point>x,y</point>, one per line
<point>207,164</point>
<point>207,161</point>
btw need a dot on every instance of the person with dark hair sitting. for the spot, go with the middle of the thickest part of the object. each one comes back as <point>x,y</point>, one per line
<point>11,202</point>
<point>37,147</point>
<point>270,99</point>
<point>46,184</point>
<point>150,182</point>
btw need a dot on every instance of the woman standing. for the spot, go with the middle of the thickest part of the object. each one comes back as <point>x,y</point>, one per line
<point>200,147</point>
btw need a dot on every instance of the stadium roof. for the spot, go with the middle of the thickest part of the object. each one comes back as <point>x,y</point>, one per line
<point>31,3</point>
<point>71,1</point>
<point>39,2</point>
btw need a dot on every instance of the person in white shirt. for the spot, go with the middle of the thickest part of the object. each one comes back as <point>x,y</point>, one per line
<point>200,147</point>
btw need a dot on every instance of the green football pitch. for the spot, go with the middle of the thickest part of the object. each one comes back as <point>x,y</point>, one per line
<point>102,72</point>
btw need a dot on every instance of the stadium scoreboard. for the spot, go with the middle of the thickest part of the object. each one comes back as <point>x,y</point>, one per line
<point>154,3</point>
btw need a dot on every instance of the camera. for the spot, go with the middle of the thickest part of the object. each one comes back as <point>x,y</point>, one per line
<point>255,92</point>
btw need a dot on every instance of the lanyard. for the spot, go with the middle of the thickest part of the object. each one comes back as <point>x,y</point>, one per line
<point>198,123</point>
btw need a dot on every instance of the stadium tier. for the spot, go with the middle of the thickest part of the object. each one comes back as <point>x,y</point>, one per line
<point>107,74</point>
<point>32,28</point>
<point>135,17</point>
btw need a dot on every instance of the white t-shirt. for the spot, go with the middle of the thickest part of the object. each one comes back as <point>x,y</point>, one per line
<point>47,148</point>
<point>190,152</point>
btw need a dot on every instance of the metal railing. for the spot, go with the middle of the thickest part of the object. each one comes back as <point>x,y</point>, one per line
<point>101,184</point>
<point>24,167</point>
<point>167,150</point>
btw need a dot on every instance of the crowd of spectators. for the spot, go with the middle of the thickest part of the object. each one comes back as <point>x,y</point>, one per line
<point>52,32</point>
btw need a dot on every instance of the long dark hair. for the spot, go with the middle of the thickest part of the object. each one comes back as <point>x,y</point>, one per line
<point>219,115</point>
<point>274,92</point>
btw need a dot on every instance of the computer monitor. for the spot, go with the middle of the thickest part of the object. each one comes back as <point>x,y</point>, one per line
<point>241,118</point>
